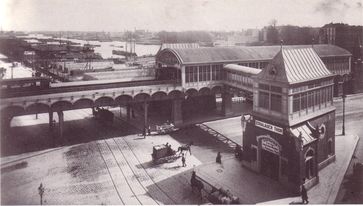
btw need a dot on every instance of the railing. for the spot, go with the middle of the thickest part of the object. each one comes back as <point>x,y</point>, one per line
<point>31,91</point>
<point>218,135</point>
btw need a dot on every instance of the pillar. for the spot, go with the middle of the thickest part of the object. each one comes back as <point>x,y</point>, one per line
<point>51,119</point>
<point>145,115</point>
<point>5,125</point>
<point>226,103</point>
<point>60,124</point>
<point>128,112</point>
<point>176,111</point>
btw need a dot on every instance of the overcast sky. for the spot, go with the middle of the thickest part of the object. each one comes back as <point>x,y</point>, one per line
<point>173,15</point>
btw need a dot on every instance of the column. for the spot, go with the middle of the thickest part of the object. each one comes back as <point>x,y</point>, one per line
<point>145,114</point>
<point>176,111</point>
<point>128,112</point>
<point>5,125</point>
<point>226,103</point>
<point>51,120</point>
<point>183,76</point>
<point>60,124</point>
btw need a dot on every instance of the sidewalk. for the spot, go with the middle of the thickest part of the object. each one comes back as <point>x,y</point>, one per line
<point>331,176</point>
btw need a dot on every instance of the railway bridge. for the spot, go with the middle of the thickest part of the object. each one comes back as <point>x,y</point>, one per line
<point>187,80</point>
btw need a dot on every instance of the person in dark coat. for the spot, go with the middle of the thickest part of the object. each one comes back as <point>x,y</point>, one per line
<point>304,195</point>
<point>183,161</point>
<point>219,158</point>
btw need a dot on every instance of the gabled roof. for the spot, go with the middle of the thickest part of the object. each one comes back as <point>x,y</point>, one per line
<point>244,53</point>
<point>295,65</point>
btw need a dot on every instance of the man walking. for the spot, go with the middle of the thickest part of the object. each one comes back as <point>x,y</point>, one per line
<point>183,160</point>
<point>304,195</point>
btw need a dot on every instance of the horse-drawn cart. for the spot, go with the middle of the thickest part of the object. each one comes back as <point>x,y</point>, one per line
<point>215,195</point>
<point>165,128</point>
<point>164,153</point>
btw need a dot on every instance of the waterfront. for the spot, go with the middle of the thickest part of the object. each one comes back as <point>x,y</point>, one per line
<point>105,48</point>
<point>18,70</point>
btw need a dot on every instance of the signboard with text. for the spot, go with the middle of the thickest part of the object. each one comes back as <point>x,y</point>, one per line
<point>269,127</point>
<point>270,146</point>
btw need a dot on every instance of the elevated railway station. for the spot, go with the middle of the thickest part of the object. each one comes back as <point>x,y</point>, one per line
<point>187,80</point>
<point>290,134</point>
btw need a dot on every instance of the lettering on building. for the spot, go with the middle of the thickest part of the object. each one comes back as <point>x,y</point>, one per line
<point>269,127</point>
<point>270,146</point>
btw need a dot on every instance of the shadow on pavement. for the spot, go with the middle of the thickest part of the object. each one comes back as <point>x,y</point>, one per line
<point>39,137</point>
<point>177,190</point>
<point>205,146</point>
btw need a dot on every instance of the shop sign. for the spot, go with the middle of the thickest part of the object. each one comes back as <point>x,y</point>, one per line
<point>269,127</point>
<point>270,146</point>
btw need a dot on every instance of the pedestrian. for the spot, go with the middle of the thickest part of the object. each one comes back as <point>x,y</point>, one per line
<point>183,161</point>
<point>304,195</point>
<point>149,130</point>
<point>219,158</point>
<point>144,132</point>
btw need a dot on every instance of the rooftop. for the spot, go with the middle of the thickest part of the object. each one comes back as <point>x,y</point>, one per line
<point>190,55</point>
<point>295,65</point>
<point>244,69</point>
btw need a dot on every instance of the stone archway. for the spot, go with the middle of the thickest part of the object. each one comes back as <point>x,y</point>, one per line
<point>310,169</point>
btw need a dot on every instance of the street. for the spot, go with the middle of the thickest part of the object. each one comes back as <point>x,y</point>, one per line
<point>99,164</point>
<point>350,192</point>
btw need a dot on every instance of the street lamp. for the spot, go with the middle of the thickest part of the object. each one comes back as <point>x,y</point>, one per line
<point>343,96</point>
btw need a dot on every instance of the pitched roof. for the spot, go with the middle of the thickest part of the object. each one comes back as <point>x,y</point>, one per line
<point>295,65</point>
<point>244,53</point>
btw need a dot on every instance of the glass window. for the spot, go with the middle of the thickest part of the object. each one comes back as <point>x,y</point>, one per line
<point>264,87</point>
<point>263,100</point>
<point>303,101</point>
<point>317,97</point>
<point>296,103</point>
<point>207,73</point>
<point>276,102</point>
<point>310,99</point>
<point>276,89</point>
<point>195,74</point>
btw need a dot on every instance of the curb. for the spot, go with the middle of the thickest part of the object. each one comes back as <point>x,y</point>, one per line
<point>340,185</point>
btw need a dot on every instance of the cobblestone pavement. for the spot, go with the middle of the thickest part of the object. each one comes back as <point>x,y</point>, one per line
<point>96,164</point>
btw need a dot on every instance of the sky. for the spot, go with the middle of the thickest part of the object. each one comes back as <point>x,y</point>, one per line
<point>173,15</point>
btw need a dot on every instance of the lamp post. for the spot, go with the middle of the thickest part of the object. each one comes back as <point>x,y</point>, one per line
<point>343,96</point>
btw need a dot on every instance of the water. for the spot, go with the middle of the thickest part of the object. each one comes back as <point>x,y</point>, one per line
<point>105,49</point>
<point>19,70</point>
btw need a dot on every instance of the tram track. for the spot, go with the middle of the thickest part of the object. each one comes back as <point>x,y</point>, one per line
<point>109,173</point>
<point>134,175</point>
<point>143,173</point>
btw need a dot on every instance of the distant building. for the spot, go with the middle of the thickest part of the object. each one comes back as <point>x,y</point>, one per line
<point>349,38</point>
<point>290,134</point>
<point>245,37</point>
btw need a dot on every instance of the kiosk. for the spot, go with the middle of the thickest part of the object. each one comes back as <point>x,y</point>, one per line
<point>290,134</point>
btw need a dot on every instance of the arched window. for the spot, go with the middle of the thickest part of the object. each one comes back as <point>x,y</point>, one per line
<point>309,164</point>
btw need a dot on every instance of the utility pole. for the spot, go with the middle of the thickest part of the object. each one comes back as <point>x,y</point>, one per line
<point>343,96</point>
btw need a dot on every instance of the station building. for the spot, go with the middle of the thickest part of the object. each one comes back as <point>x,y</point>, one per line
<point>290,134</point>
<point>198,67</point>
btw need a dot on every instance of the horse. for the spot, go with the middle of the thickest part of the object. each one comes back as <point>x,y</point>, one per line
<point>198,185</point>
<point>185,148</point>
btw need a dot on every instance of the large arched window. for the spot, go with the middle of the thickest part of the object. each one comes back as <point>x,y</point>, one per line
<point>309,164</point>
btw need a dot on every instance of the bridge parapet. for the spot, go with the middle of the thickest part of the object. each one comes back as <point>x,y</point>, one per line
<point>112,94</point>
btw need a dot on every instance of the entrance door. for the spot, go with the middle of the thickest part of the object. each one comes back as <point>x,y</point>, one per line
<point>270,164</point>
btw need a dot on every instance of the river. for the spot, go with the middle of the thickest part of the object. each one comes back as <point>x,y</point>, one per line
<point>105,48</point>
